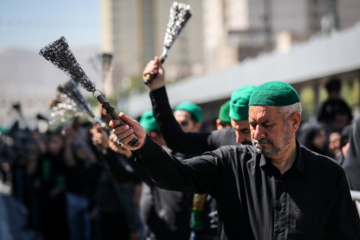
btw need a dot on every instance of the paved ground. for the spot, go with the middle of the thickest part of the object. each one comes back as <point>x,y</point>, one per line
<point>12,217</point>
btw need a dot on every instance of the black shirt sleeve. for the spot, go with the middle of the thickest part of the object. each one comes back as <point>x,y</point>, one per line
<point>197,175</point>
<point>175,138</point>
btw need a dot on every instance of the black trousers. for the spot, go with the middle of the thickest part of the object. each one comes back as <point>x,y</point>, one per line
<point>112,226</point>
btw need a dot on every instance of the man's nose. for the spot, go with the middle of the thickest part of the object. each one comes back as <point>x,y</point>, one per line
<point>258,134</point>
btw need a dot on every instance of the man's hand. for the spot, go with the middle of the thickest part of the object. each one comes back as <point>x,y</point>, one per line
<point>116,147</point>
<point>154,68</point>
<point>127,132</point>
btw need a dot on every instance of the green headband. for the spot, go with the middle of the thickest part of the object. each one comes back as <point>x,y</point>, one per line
<point>192,108</point>
<point>239,103</point>
<point>274,94</point>
<point>148,121</point>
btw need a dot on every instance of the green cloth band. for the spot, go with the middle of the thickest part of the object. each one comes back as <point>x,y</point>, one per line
<point>148,121</point>
<point>274,94</point>
<point>239,103</point>
<point>192,108</point>
<point>224,112</point>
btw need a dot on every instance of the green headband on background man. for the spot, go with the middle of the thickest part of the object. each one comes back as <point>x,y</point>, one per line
<point>148,121</point>
<point>224,112</point>
<point>192,108</point>
<point>239,103</point>
<point>274,94</point>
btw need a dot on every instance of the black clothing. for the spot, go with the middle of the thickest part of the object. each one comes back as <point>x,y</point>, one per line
<point>166,214</point>
<point>309,201</point>
<point>121,169</point>
<point>307,133</point>
<point>112,225</point>
<point>82,179</point>
<point>330,108</point>
<point>186,143</point>
<point>115,198</point>
<point>351,163</point>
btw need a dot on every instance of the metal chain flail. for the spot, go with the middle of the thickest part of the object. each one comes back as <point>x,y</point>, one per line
<point>59,53</point>
<point>71,90</point>
<point>179,15</point>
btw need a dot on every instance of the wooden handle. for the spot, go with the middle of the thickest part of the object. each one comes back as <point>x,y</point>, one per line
<point>150,77</point>
<point>110,111</point>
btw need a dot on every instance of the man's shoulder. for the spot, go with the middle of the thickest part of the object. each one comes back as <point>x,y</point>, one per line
<point>237,152</point>
<point>223,137</point>
<point>224,131</point>
<point>318,160</point>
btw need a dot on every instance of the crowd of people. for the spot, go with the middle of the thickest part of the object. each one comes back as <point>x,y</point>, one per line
<point>257,172</point>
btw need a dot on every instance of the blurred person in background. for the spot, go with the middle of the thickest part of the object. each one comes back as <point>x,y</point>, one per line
<point>334,144</point>
<point>82,175</point>
<point>344,144</point>
<point>204,212</point>
<point>334,112</point>
<point>224,120</point>
<point>312,136</point>
<point>7,155</point>
<point>21,141</point>
<point>48,172</point>
<point>188,115</point>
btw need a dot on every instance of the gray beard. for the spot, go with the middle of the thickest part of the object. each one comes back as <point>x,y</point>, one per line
<point>267,152</point>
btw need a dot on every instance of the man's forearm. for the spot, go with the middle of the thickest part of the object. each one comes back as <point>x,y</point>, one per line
<point>175,138</point>
<point>171,173</point>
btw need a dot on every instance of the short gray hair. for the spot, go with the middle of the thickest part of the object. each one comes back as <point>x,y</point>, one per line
<point>287,111</point>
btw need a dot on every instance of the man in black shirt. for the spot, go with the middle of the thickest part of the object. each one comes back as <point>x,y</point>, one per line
<point>274,189</point>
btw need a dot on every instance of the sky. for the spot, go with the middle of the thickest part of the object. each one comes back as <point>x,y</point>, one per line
<point>32,24</point>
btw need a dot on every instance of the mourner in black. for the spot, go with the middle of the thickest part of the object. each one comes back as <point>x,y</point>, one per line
<point>274,189</point>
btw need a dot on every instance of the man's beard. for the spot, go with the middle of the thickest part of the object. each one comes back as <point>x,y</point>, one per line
<point>283,143</point>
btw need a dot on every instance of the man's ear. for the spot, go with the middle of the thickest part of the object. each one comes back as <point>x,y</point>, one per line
<point>218,124</point>
<point>295,120</point>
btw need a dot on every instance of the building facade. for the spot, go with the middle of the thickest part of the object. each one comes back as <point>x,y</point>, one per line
<point>220,34</point>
